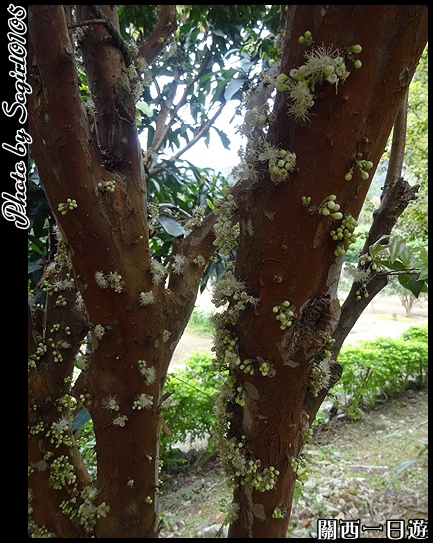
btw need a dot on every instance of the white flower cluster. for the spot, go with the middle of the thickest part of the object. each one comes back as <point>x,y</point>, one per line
<point>112,280</point>
<point>143,401</point>
<point>149,373</point>
<point>281,162</point>
<point>230,287</point>
<point>359,275</point>
<point>111,403</point>
<point>240,468</point>
<point>157,271</point>
<point>152,217</point>
<point>226,232</point>
<point>79,303</point>
<point>246,168</point>
<point>59,433</point>
<point>88,512</point>
<point>99,331</point>
<point>196,218</point>
<point>322,64</point>
<point>120,420</point>
<point>178,264</point>
<point>320,373</point>
<point>255,118</point>
<point>224,343</point>
<point>166,335</point>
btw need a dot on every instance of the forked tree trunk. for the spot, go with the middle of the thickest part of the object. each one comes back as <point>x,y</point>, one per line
<point>285,254</point>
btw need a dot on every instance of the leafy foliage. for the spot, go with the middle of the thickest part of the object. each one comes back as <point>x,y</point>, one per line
<point>409,263</point>
<point>188,412</point>
<point>384,366</point>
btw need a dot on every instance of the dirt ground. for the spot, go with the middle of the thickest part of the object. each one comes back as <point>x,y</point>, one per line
<point>385,316</point>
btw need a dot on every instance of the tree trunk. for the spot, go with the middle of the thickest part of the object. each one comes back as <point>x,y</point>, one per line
<point>286,254</point>
<point>134,320</point>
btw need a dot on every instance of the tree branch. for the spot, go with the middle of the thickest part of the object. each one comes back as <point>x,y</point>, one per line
<point>396,195</point>
<point>201,132</point>
<point>157,39</point>
<point>163,131</point>
<point>114,33</point>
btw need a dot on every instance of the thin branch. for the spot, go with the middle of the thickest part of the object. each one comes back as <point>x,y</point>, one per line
<point>201,132</point>
<point>398,145</point>
<point>89,22</point>
<point>156,143</point>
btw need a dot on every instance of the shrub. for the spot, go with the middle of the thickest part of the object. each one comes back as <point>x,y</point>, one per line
<point>199,322</point>
<point>188,412</point>
<point>384,366</point>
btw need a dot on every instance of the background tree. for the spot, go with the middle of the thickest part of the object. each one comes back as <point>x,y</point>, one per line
<point>292,194</point>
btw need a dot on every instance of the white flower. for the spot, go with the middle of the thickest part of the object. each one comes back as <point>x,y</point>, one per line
<point>178,264</point>
<point>147,298</point>
<point>143,401</point>
<point>79,302</point>
<point>61,425</point>
<point>101,280</point>
<point>165,335</point>
<point>111,403</point>
<point>115,281</point>
<point>359,276</point>
<point>99,331</point>
<point>120,420</point>
<point>158,271</point>
<point>149,374</point>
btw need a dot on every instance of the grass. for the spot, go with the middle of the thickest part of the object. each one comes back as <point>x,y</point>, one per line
<point>199,323</point>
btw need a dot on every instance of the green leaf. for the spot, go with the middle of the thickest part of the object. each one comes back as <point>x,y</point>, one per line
<point>223,136</point>
<point>80,419</point>
<point>412,283</point>
<point>171,226</point>
<point>233,87</point>
<point>144,108</point>
<point>396,247</point>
